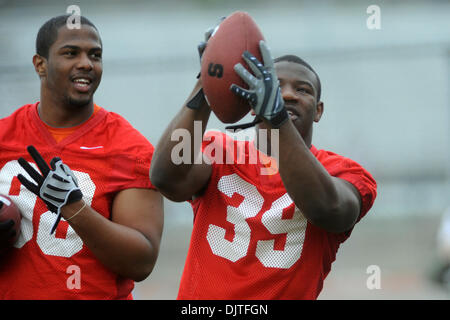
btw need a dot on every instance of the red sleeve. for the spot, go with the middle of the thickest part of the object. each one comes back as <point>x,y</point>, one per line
<point>132,170</point>
<point>349,170</point>
<point>132,155</point>
<point>360,178</point>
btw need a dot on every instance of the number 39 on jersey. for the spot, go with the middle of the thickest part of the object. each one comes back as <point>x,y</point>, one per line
<point>272,219</point>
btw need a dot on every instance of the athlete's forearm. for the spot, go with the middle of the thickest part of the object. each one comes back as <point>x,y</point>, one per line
<point>171,166</point>
<point>324,200</point>
<point>123,250</point>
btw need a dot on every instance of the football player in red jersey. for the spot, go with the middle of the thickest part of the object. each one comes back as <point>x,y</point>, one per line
<point>92,221</point>
<point>263,236</point>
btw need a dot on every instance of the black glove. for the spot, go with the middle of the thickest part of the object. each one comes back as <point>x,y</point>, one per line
<point>199,98</point>
<point>56,187</point>
<point>264,94</point>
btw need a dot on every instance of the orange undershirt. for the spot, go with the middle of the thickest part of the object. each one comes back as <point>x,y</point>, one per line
<point>60,133</point>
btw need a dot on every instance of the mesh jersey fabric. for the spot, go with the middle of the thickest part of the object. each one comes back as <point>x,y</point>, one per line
<point>107,155</point>
<point>249,240</point>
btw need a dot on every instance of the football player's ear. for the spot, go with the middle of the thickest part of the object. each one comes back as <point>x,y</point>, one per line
<point>319,111</point>
<point>40,65</point>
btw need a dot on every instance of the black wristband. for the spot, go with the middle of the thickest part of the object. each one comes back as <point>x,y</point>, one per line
<point>196,101</point>
<point>280,118</point>
<point>74,196</point>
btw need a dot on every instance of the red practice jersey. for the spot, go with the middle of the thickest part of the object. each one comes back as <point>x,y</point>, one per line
<point>107,155</point>
<point>249,240</point>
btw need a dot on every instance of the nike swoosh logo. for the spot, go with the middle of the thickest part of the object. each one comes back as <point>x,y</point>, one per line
<point>91,148</point>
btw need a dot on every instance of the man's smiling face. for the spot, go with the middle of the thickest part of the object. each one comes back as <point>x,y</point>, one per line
<point>74,65</point>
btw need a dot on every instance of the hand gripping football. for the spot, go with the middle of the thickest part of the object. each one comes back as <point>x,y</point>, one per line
<point>236,34</point>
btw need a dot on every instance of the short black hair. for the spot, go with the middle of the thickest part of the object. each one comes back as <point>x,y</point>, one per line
<point>295,59</point>
<point>48,33</point>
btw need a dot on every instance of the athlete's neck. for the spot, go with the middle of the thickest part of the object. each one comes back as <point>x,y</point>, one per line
<point>64,116</point>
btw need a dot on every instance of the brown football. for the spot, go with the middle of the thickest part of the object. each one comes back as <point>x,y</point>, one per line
<point>236,34</point>
<point>9,210</point>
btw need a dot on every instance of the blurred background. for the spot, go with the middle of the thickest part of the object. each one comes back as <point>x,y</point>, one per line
<point>387,106</point>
